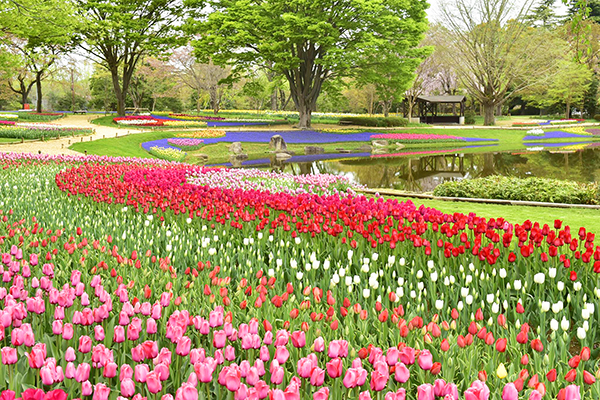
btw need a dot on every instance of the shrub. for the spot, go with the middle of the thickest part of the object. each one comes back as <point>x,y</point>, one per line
<point>528,189</point>
<point>597,117</point>
<point>374,121</point>
<point>469,117</point>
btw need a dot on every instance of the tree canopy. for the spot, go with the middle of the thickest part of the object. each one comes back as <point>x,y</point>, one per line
<point>308,42</point>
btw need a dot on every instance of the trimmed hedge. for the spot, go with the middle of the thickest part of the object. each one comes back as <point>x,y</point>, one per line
<point>527,189</point>
<point>374,121</point>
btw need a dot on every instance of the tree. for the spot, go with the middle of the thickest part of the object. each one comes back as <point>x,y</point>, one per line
<point>308,42</point>
<point>153,78</point>
<point>201,77</point>
<point>100,87</point>
<point>393,75</point>
<point>543,14</point>
<point>39,35</point>
<point>496,55</point>
<point>119,33</point>
<point>570,84</point>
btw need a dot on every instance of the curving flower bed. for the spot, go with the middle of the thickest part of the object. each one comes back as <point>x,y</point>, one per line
<point>186,144</point>
<point>168,153</point>
<point>137,283</point>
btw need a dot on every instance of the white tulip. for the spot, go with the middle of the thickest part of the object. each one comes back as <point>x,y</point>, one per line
<point>517,284</point>
<point>502,273</point>
<point>554,324</point>
<point>539,278</point>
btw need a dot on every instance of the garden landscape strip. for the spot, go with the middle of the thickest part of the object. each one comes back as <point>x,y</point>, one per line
<point>146,278</point>
<point>555,135</point>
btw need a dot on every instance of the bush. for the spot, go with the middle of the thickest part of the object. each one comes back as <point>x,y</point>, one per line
<point>374,121</point>
<point>597,117</point>
<point>469,117</point>
<point>528,189</point>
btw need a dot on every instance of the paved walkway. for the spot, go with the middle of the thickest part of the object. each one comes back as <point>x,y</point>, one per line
<point>61,146</point>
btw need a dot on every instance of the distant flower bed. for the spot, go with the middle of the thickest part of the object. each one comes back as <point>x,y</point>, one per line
<point>196,117</point>
<point>7,122</point>
<point>186,144</point>
<point>42,117</point>
<point>566,121</point>
<point>204,134</point>
<point>525,123</point>
<point>341,130</point>
<point>535,131</point>
<point>8,116</point>
<point>168,153</point>
<point>31,131</point>
<point>593,131</point>
<point>416,137</point>
<point>184,124</point>
<point>138,120</point>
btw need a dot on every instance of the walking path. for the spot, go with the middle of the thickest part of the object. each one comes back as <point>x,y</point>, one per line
<point>61,146</point>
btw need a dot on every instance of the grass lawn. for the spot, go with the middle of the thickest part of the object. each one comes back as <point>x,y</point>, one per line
<point>574,217</point>
<point>9,140</point>
<point>124,146</point>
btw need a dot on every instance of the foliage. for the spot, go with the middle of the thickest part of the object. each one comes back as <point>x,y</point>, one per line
<point>597,117</point>
<point>307,42</point>
<point>496,54</point>
<point>469,117</point>
<point>118,34</point>
<point>374,121</point>
<point>528,189</point>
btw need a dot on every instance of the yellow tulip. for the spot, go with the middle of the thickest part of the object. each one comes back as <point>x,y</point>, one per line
<point>501,371</point>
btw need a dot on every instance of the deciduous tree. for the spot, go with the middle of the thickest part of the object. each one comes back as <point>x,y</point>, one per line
<point>309,42</point>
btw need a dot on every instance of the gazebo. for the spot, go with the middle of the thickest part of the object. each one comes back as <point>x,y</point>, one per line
<point>428,109</point>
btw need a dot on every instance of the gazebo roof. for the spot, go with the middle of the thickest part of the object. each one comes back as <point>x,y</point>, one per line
<point>442,99</point>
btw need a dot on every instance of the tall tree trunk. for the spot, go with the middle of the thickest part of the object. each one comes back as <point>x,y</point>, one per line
<point>499,110</point>
<point>568,110</point>
<point>274,100</point>
<point>38,87</point>
<point>114,73</point>
<point>305,117</point>
<point>386,108</point>
<point>488,113</point>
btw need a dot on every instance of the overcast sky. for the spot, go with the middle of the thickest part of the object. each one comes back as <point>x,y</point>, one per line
<point>435,14</point>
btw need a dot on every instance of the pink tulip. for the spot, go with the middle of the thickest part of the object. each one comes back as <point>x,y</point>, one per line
<point>126,372</point>
<point>305,367</point>
<point>364,396</point>
<point>219,339</point>
<point>535,395</point>
<point>402,374</point>
<point>119,336</point>
<point>335,368</point>
<point>350,378</point>
<point>425,392</point>
<point>141,372</point>
<point>510,392</point>
<point>47,376</point>
<point>477,391</point>
<point>572,393</point>
<point>321,394</point>
<point>110,370</point>
<point>298,339</point>
<point>86,388</point>
<point>379,380</point>
<point>338,348</point>
<point>82,373</point>
<point>319,346</point>
<point>277,375</point>
<point>127,387</point>
<point>153,382</point>
<point>407,355</point>
<point>317,377</point>
<point>183,346</point>
<point>425,360</point>
<point>9,355</point>
<point>230,353</point>
<point>101,392</point>
<point>282,354</point>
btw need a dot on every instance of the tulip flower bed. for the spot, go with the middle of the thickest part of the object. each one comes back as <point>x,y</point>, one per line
<point>186,144</point>
<point>32,131</point>
<point>204,134</point>
<point>423,138</point>
<point>129,278</point>
<point>138,120</point>
<point>168,153</point>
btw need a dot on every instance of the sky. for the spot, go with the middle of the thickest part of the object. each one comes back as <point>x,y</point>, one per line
<point>435,15</point>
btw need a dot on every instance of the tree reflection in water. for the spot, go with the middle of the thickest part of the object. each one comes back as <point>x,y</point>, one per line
<point>423,174</point>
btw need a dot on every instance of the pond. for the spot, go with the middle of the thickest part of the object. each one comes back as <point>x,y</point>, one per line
<point>421,171</point>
